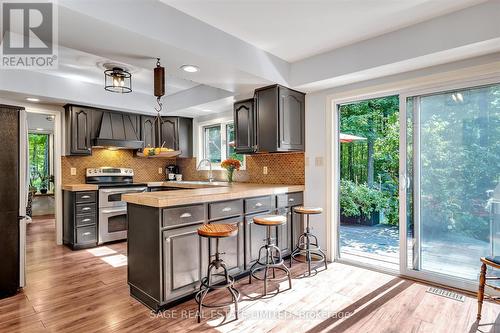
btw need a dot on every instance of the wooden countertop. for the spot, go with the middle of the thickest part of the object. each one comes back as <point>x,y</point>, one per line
<point>79,187</point>
<point>216,192</point>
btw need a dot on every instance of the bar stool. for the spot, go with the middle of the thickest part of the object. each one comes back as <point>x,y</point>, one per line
<point>273,259</point>
<point>217,231</point>
<point>305,246</point>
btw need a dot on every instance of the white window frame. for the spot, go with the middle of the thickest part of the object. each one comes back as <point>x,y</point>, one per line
<point>200,152</point>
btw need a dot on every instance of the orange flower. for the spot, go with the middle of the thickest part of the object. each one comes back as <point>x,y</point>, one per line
<point>231,164</point>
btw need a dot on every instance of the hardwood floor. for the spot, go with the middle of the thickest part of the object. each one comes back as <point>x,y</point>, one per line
<point>86,291</point>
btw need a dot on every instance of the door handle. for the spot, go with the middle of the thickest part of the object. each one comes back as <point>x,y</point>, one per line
<point>110,211</point>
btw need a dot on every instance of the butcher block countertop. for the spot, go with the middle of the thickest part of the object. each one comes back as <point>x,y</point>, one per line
<point>79,187</point>
<point>200,192</point>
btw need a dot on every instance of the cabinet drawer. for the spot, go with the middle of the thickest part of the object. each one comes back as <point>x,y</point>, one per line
<point>260,204</point>
<point>85,208</point>
<point>289,199</point>
<point>86,234</point>
<point>183,215</point>
<point>85,220</point>
<point>224,209</point>
<point>85,197</point>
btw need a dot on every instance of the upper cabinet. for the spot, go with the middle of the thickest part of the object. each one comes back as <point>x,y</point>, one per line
<point>175,132</point>
<point>273,121</point>
<point>78,130</point>
<point>244,126</point>
<point>89,127</point>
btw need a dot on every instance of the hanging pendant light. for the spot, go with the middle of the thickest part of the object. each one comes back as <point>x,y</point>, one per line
<point>117,80</point>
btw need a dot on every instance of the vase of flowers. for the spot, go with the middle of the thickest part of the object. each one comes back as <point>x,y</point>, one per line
<point>230,165</point>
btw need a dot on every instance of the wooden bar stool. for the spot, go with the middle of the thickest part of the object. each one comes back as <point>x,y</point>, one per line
<point>493,262</point>
<point>217,231</point>
<point>273,259</point>
<point>306,247</point>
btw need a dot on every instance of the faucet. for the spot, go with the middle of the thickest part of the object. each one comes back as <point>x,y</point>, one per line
<point>210,173</point>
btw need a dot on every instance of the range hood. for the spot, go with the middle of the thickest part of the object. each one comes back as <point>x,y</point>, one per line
<point>118,130</point>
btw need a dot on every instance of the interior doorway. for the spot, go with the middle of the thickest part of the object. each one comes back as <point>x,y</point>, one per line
<point>369,181</point>
<point>41,199</point>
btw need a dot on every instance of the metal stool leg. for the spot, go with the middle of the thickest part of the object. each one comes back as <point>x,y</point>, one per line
<point>206,284</point>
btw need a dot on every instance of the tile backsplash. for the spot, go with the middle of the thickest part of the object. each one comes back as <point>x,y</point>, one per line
<point>145,169</point>
<point>284,168</point>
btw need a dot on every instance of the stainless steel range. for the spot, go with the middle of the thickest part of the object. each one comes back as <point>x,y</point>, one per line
<point>113,182</point>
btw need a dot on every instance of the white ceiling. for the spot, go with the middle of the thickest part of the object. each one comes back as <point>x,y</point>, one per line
<point>297,29</point>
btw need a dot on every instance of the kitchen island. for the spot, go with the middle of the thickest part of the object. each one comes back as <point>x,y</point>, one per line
<point>167,258</point>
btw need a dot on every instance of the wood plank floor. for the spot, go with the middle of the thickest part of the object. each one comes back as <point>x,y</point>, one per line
<point>86,291</point>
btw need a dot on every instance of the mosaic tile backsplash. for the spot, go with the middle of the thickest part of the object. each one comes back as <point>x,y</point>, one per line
<point>285,168</point>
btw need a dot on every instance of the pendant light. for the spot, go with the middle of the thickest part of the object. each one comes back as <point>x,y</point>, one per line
<point>117,80</point>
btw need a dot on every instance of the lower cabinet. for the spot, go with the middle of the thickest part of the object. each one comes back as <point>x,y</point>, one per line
<point>232,247</point>
<point>184,261</point>
<point>284,232</point>
<point>255,238</point>
<point>80,219</point>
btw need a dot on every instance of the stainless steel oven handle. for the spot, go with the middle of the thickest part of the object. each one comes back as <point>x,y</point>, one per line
<point>130,190</point>
<point>111,211</point>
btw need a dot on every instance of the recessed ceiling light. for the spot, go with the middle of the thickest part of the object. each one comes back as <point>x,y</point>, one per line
<point>32,99</point>
<point>190,68</point>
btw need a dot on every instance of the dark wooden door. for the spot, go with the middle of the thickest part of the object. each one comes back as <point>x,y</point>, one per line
<point>148,131</point>
<point>244,126</point>
<point>291,120</point>
<point>169,130</point>
<point>9,200</point>
<point>81,131</point>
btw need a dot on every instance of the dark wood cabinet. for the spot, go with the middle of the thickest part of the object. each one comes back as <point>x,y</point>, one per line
<point>79,130</point>
<point>80,219</point>
<point>273,121</point>
<point>148,131</point>
<point>176,132</point>
<point>232,247</point>
<point>244,126</point>
<point>291,119</point>
<point>169,133</point>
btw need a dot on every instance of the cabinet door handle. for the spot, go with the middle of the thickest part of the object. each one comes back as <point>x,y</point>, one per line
<point>258,204</point>
<point>86,208</point>
<point>185,215</point>
<point>226,209</point>
<point>86,220</point>
<point>85,196</point>
<point>291,200</point>
<point>86,233</point>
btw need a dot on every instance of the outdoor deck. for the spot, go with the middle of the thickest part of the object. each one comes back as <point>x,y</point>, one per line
<point>379,245</point>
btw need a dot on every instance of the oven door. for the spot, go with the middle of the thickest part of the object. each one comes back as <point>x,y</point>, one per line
<point>112,197</point>
<point>112,224</point>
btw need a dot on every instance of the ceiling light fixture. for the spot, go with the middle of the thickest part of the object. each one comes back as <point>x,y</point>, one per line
<point>32,99</point>
<point>190,68</point>
<point>117,80</point>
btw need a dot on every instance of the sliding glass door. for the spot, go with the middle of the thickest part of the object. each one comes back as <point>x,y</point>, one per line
<point>452,171</point>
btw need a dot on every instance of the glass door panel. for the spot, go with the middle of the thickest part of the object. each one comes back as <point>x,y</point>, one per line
<point>453,163</point>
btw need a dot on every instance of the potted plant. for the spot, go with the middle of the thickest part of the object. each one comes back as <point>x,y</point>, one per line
<point>230,165</point>
<point>44,182</point>
<point>360,204</point>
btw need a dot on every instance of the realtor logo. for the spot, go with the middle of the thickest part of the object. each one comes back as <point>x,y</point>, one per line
<point>29,35</point>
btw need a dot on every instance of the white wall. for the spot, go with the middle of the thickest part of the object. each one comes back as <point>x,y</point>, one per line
<point>317,128</point>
